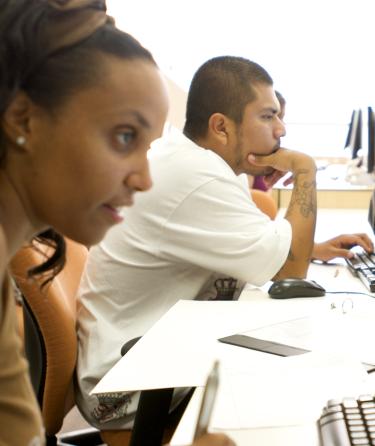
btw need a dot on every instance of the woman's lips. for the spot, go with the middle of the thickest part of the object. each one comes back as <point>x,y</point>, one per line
<point>114,213</point>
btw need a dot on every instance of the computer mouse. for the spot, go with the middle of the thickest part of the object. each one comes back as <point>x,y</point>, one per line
<point>287,288</point>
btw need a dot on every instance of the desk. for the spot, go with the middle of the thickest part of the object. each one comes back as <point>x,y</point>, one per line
<point>334,277</point>
<point>355,197</point>
<point>305,435</point>
<point>332,191</point>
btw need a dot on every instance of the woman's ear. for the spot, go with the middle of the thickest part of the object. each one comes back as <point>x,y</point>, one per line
<point>16,119</point>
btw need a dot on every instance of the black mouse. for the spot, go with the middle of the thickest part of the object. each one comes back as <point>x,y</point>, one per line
<point>287,288</point>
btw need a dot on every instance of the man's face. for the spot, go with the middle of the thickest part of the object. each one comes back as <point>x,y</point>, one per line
<point>259,132</point>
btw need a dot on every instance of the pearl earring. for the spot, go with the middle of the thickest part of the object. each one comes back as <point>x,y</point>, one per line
<point>20,140</point>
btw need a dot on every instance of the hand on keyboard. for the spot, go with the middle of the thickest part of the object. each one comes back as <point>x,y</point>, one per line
<point>340,246</point>
<point>362,265</point>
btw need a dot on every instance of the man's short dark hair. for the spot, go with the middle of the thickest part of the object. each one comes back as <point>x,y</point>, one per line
<point>221,85</point>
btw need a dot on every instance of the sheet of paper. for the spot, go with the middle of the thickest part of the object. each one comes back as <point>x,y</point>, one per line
<point>179,349</point>
<point>348,328</point>
<point>292,391</point>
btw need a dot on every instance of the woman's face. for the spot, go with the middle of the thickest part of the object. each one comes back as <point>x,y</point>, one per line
<point>89,157</point>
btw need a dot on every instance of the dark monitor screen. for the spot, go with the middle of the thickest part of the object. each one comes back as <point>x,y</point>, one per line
<point>358,136</point>
<point>371,140</point>
<point>349,134</point>
<point>354,138</point>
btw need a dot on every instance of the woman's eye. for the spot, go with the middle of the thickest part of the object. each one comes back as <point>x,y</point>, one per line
<point>125,138</point>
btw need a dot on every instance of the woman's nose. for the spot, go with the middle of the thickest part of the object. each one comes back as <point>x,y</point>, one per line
<point>141,179</point>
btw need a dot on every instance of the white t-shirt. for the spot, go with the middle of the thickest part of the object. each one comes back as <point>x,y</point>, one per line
<point>197,223</point>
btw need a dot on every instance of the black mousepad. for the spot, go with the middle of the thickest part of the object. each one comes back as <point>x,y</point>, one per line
<point>263,346</point>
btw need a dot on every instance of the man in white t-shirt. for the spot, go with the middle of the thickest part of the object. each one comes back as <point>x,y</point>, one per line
<point>196,234</point>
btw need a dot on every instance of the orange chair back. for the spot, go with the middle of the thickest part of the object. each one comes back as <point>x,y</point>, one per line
<point>264,202</point>
<point>53,309</point>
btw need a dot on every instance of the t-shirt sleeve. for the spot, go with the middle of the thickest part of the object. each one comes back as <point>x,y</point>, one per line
<point>218,227</point>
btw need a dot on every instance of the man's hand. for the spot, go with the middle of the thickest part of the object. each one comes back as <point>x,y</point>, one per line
<point>340,247</point>
<point>272,178</point>
<point>282,162</point>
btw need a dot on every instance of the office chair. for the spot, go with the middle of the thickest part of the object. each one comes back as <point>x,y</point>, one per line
<point>50,338</point>
<point>264,202</point>
<point>51,348</point>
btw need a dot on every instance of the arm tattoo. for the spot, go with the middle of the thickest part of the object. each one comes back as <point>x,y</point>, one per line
<point>304,195</point>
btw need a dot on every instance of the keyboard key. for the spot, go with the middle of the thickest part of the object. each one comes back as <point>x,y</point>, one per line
<point>359,434</point>
<point>354,416</point>
<point>334,402</point>
<point>357,428</point>
<point>354,422</point>
<point>349,403</point>
<point>364,398</point>
<point>350,411</point>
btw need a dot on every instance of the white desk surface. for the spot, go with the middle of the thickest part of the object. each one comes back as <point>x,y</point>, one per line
<point>304,435</point>
<point>334,276</point>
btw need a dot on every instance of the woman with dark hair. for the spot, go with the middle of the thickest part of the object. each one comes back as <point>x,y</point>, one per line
<point>80,103</point>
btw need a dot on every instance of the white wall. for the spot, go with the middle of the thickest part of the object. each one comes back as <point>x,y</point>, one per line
<point>177,108</point>
<point>319,52</point>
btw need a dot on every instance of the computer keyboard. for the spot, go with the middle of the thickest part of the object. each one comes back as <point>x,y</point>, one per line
<point>348,422</point>
<point>363,266</point>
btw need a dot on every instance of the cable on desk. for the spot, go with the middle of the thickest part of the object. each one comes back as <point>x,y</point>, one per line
<point>350,292</point>
<point>371,367</point>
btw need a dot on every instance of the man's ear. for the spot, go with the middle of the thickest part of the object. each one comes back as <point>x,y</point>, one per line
<point>220,127</point>
<point>16,119</point>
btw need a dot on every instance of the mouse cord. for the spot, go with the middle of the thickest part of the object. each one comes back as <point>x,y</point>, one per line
<point>350,292</point>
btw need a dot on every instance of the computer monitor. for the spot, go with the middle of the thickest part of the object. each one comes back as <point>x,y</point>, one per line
<point>358,136</point>
<point>354,136</point>
<point>370,140</point>
<point>350,130</point>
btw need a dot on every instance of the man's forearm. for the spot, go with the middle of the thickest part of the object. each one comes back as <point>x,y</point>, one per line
<point>301,214</point>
